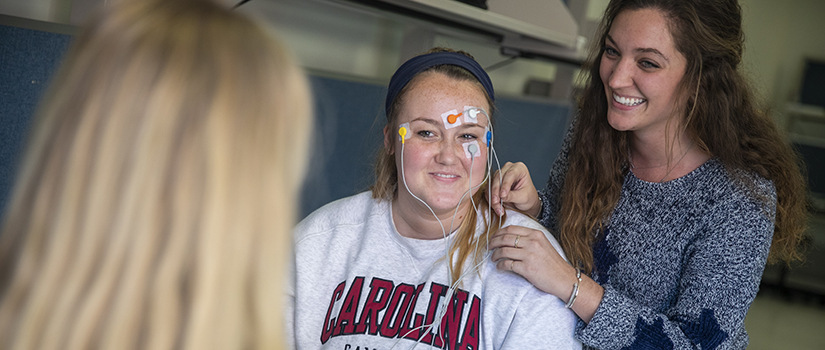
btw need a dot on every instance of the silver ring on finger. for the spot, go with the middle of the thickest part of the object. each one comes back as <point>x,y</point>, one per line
<point>515,244</point>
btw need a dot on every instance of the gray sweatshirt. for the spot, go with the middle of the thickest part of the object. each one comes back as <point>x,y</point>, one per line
<point>358,284</point>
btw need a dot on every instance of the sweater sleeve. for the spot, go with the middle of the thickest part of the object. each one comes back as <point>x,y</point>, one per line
<point>721,270</point>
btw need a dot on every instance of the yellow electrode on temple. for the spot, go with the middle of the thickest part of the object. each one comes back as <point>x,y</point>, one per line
<point>403,132</point>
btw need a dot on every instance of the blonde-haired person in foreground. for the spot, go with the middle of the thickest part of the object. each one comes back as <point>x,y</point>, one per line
<point>150,211</point>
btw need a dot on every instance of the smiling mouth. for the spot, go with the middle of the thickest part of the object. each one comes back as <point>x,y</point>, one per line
<point>445,176</point>
<point>628,101</point>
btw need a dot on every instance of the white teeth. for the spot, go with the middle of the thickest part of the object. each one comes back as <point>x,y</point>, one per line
<point>446,176</point>
<point>628,101</point>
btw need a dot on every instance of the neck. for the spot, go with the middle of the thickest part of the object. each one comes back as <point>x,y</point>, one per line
<point>655,160</point>
<point>652,150</point>
<point>414,220</point>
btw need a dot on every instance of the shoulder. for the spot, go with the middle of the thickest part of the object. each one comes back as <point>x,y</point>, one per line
<point>515,218</point>
<point>710,188</point>
<point>732,203</point>
<point>734,188</point>
<point>353,210</point>
<point>519,219</point>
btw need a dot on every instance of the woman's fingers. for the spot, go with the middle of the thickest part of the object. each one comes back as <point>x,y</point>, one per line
<point>506,237</point>
<point>495,189</point>
<point>508,265</point>
<point>499,187</point>
<point>517,243</point>
<point>529,253</point>
<point>512,187</point>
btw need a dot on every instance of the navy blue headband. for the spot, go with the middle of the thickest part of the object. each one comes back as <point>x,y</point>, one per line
<point>418,64</point>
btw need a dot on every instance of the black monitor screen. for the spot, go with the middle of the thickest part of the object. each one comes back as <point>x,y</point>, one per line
<point>813,84</point>
<point>814,158</point>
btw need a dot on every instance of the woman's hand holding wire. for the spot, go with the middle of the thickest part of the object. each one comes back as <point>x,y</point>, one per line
<point>528,253</point>
<point>512,187</point>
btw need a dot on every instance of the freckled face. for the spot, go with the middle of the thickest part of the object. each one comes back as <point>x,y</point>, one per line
<point>435,165</point>
<point>641,70</point>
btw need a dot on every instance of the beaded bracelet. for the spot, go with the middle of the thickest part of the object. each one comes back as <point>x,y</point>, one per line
<point>575,289</point>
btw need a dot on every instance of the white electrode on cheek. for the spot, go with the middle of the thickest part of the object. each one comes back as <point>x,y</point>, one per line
<point>471,149</point>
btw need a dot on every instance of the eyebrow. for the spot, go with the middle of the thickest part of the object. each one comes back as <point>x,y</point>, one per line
<point>642,49</point>
<point>425,120</point>
<point>438,123</point>
<point>470,125</point>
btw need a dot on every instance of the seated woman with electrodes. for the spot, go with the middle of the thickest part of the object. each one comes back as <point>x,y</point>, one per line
<point>406,265</point>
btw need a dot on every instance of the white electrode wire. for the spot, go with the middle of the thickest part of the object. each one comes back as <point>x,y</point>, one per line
<point>443,233</point>
<point>404,179</point>
<point>454,285</point>
<point>442,310</point>
<point>436,325</point>
<point>470,190</point>
<point>490,154</point>
<point>446,253</point>
<point>498,164</point>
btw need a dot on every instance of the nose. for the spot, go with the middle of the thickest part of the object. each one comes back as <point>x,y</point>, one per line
<point>448,152</point>
<point>621,74</point>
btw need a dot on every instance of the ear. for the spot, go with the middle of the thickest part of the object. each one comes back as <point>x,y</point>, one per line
<point>388,139</point>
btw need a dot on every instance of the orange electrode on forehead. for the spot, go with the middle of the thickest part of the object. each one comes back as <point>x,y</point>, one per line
<point>451,118</point>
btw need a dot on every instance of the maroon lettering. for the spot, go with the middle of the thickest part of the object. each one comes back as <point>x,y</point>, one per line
<point>380,291</point>
<point>451,321</point>
<point>469,338</point>
<point>329,325</point>
<point>394,315</point>
<point>346,317</point>
<point>412,331</point>
<point>437,291</point>
<point>389,310</point>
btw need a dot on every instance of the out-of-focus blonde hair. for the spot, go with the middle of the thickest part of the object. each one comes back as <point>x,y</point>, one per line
<point>154,202</point>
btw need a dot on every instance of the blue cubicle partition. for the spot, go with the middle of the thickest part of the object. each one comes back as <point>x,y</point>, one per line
<point>349,121</point>
<point>28,58</point>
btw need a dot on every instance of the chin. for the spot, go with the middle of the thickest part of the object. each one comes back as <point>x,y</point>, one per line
<point>449,204</point>
<point>618,123</point>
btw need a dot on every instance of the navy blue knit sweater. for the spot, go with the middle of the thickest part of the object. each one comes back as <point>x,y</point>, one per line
<point>680,261</point>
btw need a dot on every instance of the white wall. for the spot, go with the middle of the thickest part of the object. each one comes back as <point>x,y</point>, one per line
<point>779,36</point>
<point>331,37</point>
<point>41,10</point>
<point>345,39</point>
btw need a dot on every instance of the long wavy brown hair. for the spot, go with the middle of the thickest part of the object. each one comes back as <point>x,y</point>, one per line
<point>465,242</point>
<point>719,114</point>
